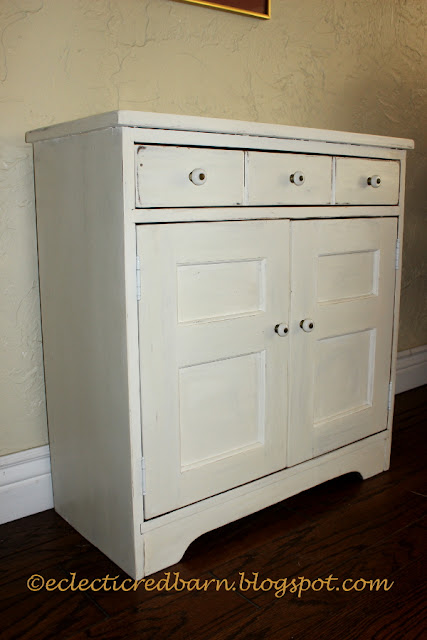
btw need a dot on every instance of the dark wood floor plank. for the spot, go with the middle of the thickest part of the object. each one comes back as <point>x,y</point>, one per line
<point>42,615</point>
<point>176,616</point>
<point>302,617</point>
<point>28,533</point>
<point>41,558</point>
<point>398,614</point>
<point>410,408</point>
<point>92,564</point>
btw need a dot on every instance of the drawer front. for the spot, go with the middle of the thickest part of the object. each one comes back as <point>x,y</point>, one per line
<point>188,177</point>
<point>288,178</point>
<point>357,181</point>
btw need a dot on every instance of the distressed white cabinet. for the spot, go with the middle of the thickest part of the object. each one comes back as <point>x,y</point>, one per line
<point>219,312</point>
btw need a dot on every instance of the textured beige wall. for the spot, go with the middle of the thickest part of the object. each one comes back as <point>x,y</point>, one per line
<point>335,64</point>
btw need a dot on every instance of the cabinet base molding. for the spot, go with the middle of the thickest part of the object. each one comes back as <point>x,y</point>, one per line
<point>25,483</point>
<point>165,539</point>
<point>411,369</point>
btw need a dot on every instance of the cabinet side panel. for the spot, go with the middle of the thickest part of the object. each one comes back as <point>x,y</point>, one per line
<point>81,261</point>
<point>399,252</point>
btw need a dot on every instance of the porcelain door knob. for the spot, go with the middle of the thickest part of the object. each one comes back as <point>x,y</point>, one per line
<point>307,325</point>
<point>198,176</point>
<point>281,329</point>
<point>374,181</point>
<point>297,178</point>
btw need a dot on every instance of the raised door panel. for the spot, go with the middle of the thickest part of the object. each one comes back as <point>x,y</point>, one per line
<point>343,281</point>
<point>213,370</point>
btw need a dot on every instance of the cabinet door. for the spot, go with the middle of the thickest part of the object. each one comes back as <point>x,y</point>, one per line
<point>213,369</point>
<point>343,280</point>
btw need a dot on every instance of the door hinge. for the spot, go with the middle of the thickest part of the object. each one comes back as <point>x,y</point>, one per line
<point>143,476</point>
<point>138,278</point>
<point>397,254</point>
<point>390,395</point>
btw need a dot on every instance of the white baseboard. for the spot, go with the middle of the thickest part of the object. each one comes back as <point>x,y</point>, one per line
<point>411,369</point>
<point>25,478</point>
<point>25,483</point>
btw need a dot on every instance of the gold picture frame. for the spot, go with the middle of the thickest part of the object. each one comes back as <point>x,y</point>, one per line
<point>240,8</point>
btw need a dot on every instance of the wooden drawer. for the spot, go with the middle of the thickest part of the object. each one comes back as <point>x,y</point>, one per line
<point>357,181</point>
<point>168,176</point>
<point>288,178</point>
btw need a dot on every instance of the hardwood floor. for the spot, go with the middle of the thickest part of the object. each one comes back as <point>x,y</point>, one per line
<point>346,527</point>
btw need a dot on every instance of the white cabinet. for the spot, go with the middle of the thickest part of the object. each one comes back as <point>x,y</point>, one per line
<point>219,329</point>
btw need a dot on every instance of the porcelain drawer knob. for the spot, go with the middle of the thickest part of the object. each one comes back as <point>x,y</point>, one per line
<point>307,325</point>
<point>281,329</point>
<point>297,178</point>
<point>374,181</point>
<point>198,176</point>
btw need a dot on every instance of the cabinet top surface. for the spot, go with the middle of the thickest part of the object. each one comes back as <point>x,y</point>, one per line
<point>146,120</point>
